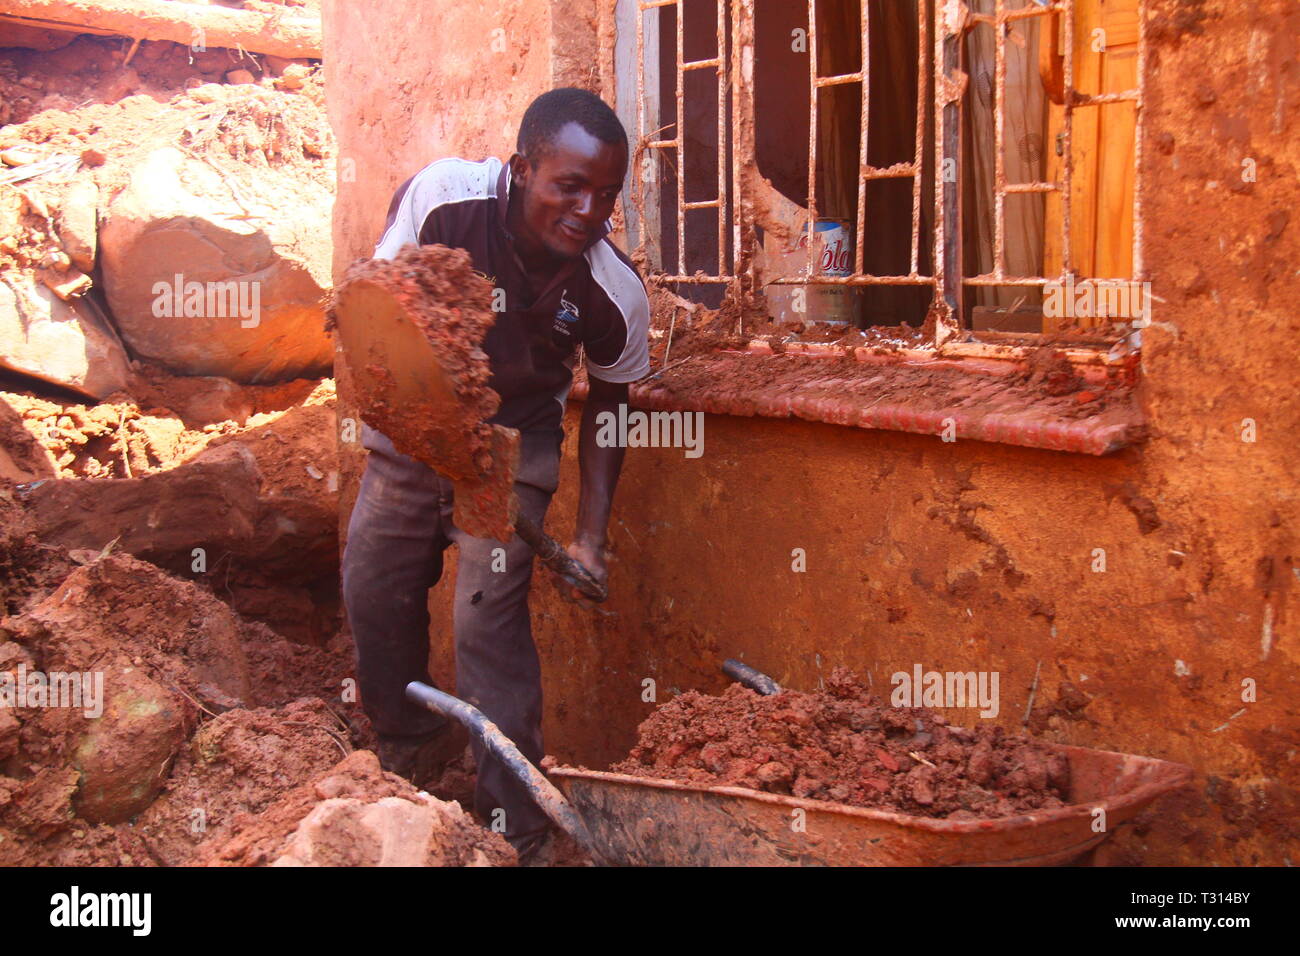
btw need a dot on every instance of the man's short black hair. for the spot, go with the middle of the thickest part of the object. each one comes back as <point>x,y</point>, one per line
<point>552,111</point>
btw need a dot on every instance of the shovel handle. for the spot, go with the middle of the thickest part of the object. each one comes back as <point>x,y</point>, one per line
<point>559,560</point>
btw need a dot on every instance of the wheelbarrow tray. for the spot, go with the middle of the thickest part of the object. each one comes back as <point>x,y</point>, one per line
<point>642,821</point>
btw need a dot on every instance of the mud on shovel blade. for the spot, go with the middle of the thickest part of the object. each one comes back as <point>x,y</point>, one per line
<point>543,792</point>
<point>411,329</point>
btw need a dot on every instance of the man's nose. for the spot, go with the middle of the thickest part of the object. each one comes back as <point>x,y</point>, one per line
<point>585,202</point>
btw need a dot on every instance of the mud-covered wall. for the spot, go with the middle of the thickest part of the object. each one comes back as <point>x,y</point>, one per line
<point>965,556</point>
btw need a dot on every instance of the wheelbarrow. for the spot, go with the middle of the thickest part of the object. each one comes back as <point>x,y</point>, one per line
<point>628,820</point>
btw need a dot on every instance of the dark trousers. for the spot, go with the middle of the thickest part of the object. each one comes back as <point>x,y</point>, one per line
<point>400,526</point>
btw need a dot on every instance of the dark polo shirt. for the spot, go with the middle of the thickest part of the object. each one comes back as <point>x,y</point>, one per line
<point>597,302</point>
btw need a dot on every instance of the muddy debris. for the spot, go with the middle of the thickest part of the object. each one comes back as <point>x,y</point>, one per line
<point>250,474</point>
<point>240,762</point>
<point>843,745</point>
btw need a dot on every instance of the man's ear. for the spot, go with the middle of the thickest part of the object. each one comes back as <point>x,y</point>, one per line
<point>519,169</point>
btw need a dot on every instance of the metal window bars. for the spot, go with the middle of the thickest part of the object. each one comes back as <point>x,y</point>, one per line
<point>952,19</point>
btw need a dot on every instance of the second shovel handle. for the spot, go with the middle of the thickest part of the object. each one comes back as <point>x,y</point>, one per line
<point>559,560</point>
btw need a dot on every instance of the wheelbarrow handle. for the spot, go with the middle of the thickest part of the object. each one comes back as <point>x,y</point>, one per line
<point>559,560</point>
<point>543,792</point>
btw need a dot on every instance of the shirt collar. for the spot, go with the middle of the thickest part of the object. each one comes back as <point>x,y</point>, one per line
<point>504,180</point>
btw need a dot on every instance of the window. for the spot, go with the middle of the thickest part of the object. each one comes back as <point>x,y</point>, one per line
<point>963,163</point>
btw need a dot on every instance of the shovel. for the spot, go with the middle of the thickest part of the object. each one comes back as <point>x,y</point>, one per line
<point>411,329</point>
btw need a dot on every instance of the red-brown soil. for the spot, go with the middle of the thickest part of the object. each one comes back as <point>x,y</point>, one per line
<point>285,572</point>
<point>162,421</point>
<point>239,762</point>
<point>91,70</point>
<point>841,744</point>
<point>213,722</point>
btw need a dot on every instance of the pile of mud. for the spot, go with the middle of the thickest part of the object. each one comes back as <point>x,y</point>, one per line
<point>176,684</point>
<point>159,422</point>
<point>203,738</point>
<point>61,105</point>
<point>846,746</point>
<point>104,680</point>
<point>248,473</point>
<point>358,815</point>
<point>206,736</point>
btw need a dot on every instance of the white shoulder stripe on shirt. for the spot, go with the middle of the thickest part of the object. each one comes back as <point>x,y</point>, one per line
<point>444,181</point>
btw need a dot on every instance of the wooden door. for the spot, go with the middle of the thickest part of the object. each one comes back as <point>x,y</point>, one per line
<point>1104,177</point>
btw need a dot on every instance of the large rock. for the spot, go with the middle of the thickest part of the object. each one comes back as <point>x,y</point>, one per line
<point>117,608</point>
<point>177,237</point>
<point>347,832</point>
<point>56,341</point>
<point>210,502</point>
<point>124,755</point>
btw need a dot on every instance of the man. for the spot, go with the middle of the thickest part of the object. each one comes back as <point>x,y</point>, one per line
<point>537,228</point>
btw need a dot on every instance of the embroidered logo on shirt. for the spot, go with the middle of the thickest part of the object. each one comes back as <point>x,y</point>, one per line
<point>565,315</point>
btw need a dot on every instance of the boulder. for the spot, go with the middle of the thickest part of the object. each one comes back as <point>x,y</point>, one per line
<point>212,275</point>
<point>347,832</point>
<point>57,341</point>
<point>119,609</point>
<point>124,755</point>
<point>210,502</point>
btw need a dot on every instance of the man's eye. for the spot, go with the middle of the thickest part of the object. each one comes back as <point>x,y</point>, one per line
<point>569,188</point>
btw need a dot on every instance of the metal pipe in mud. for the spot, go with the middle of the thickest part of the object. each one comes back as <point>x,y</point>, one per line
<point>542,791</point>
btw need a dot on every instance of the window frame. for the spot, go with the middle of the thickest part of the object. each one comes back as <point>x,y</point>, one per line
<point>942,25</point>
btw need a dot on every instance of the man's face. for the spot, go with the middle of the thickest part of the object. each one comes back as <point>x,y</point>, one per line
<point>569,193</point>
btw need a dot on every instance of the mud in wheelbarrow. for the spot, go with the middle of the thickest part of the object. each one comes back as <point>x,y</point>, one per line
<point>625,820</point>
<point>640,821</point>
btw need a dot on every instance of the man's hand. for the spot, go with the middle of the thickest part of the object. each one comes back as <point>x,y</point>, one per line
<point>593,558</point>
<point>599,467</point>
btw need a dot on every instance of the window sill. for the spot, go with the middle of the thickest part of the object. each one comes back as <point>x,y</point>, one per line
<point>1035,403</point>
